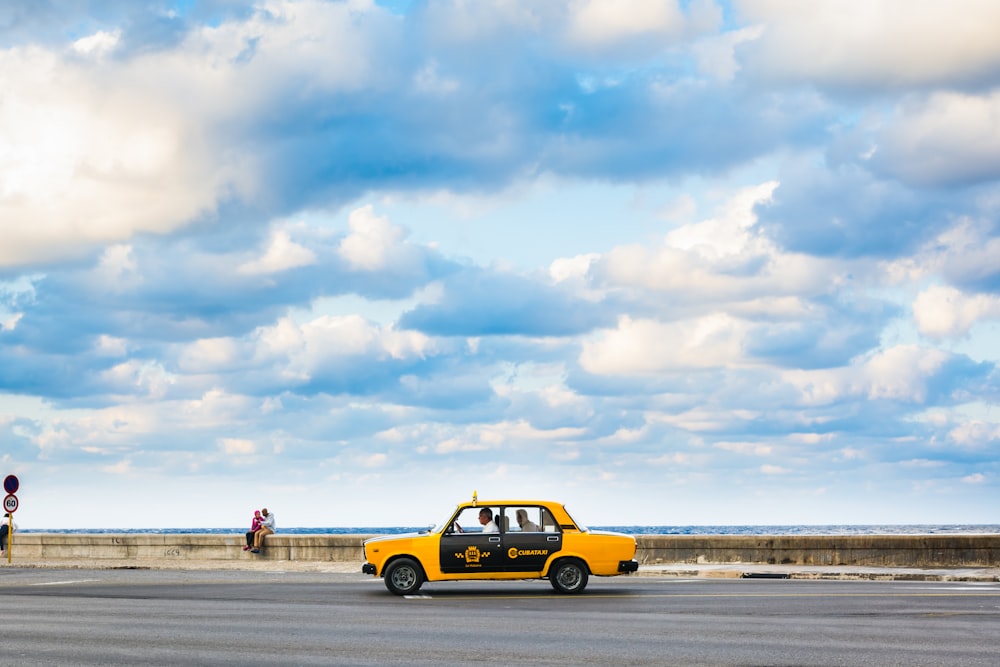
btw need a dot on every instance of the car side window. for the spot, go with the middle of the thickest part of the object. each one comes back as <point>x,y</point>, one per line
<point>547,522</point>
<point>467,521</point>
<point>524,519</point>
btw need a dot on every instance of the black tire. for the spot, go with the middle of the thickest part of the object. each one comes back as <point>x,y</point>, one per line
<point>569,576</point>
<point>404,576</point>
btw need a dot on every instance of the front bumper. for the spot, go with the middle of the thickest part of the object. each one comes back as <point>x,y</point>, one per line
<point>368,568</point>
<point>627,566</point>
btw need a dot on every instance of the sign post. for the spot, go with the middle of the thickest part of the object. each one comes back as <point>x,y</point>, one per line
<point>10,485</point>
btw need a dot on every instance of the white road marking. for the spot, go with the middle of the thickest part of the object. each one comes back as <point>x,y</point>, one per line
<point>64,583</point>
<point>964,587</point>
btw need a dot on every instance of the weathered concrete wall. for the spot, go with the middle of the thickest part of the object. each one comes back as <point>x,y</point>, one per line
<point>186,546</point>
<point>865,550</point>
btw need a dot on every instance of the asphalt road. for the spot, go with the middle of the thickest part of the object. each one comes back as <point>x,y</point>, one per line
<point>159,617</point>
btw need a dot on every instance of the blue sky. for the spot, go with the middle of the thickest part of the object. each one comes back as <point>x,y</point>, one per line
<point>667,262</point>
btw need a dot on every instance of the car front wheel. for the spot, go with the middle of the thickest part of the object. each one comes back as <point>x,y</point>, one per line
<point>404,576</point>
<point>569,576</point>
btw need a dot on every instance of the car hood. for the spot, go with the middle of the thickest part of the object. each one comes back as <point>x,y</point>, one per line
<point>607,532</point>
<point>397,536</point>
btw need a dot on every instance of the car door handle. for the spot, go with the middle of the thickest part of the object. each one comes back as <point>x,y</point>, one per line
<point>494,539</point>
<point>553,538</point>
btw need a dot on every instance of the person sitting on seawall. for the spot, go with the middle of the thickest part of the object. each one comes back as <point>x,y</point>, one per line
<point>526,525</point>
<point>7,525</point>
<point>266,528</point>
<point>254,527</point>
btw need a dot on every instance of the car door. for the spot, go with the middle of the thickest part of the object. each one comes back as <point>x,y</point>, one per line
<point>466,549</point>
<point>530,537</point>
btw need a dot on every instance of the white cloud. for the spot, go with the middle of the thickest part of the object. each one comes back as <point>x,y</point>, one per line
<point>117,268</point>
<point>716,54</point>
<point>722,258</point>
<point>122,468</point>
<point>96,150</point>
<point>237,446</point>
<point>975,434</point>
<point>99,44</point>
<point>282,254</point>
<point>645,347</point>
<point>215,408</point>
<point>750,448</point>
<point>500,435</point>
<point>572,268</point>
<point>208,355</point>
<point>899,373</point>
<point>337,44</point>
<point>376,460</point>
<point>731,231</point>
<point>84,160</point>
<point>602,22</point>
<point>133,376</point>
<point>111,346</point>
<point>373,243</point>
<point>945,138</point>
<point>882,43</point>
<point>964,253</point>
<point>299,351</point>
<point>945,312</point>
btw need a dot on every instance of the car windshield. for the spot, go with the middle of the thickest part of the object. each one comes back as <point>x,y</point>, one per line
<point>441,525</point>
<point>579,525</point>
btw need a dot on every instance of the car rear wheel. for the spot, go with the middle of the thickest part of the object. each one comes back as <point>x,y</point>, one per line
<point>404,576</point>
<point>569,576</point>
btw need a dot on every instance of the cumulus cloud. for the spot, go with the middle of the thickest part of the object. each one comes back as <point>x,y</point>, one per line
<point>945,312</point>
<point>641,347</point>
<point>726,257</point>
<point>370,244</point>
<point>281,254</point>
<point>842,211</point>
<point>237,446</point>
<point>873,45</point>
<point>100,43</point>
<point>87,161</point>
<point>901,373</point>
<point>975,434</point>
<point>597,23</point>
<point>946,139</point>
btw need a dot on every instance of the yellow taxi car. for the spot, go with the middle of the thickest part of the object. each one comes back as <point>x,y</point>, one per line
<point>501,539</point>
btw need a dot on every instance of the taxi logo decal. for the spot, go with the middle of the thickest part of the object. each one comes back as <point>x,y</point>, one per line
<point>472,555</point>
<point>514,552</point>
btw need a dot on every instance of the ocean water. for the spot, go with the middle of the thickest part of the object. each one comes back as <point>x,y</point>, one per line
<point>911,529</point>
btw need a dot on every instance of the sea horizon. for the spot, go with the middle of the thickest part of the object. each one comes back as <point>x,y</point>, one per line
<point>830,529</point>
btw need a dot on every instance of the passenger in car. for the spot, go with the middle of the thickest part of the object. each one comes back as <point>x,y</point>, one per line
<point>526,525</point>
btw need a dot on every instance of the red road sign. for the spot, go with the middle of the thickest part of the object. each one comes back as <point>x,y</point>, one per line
<point>10,484</point>
<point>10,503</point>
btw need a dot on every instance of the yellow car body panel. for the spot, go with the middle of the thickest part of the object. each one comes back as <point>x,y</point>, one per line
<point>547,543</point>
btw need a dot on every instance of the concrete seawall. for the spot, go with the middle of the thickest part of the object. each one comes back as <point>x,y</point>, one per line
<point>904,551</point>
<point>914,551</point>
